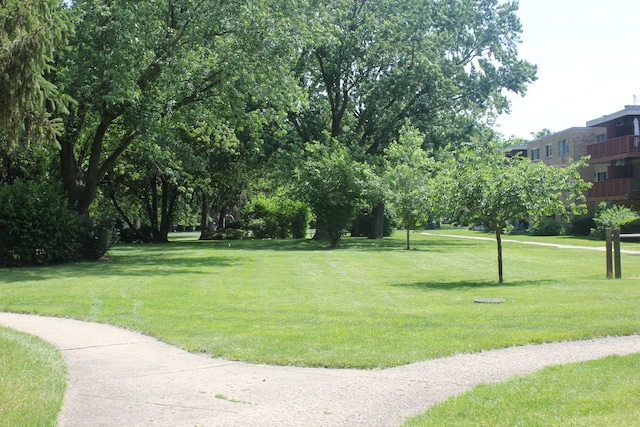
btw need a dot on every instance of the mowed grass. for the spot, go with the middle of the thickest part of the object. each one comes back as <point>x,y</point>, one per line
<point>604,392</point>
<point>367,304</point>
<point>32,380</point>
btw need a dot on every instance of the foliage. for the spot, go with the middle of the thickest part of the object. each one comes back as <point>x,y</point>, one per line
<point>630,225</point>
<point>493,189</point>
<point>545,226</point>
<point>581,225</point>
<point>276,217</point>
<point>408,179</point>
<point>37,225</point>
<point>151,60</point>
<point>610,217</point>
<point>31,33</point>
<point>39,228</point>
<point>330,181</point>
<point>223,234</point>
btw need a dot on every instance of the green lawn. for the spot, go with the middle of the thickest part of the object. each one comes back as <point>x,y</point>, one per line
<point>367,304</point>
<point>599,393</point>
<point>32,380</point>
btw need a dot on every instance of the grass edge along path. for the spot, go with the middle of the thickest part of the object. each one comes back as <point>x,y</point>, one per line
<point>603,392</point>
<point>32,380</point>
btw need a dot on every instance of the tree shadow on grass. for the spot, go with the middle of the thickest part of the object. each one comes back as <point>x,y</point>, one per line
<point>349,243</point>
<point>471,284</point>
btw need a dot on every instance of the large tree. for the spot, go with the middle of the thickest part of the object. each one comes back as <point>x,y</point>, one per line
<point>134,63</point>
<point>31,33</point>
<point>372,66</point>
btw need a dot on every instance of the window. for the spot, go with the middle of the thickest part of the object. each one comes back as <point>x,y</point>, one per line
<point>601,176</point>
<point>535,154</point>
<point>563,147</point>
<point>549,150</point>
<point>601,138</point>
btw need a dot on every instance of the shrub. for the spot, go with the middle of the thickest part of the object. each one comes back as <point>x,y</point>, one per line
<point>630,225</point>
<point>277,218</point>
<point>581,225</point>
<point>610,217</point>
<point>38,227</point>
<point>546,227</point>
<point>96,235</point>
<point>223,234</point>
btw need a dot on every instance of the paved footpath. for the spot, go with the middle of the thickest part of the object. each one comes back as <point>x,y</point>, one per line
<point>122,378</point>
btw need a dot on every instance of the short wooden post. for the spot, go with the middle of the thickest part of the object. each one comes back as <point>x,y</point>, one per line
<point>608,236</point>
<point>616,253</point>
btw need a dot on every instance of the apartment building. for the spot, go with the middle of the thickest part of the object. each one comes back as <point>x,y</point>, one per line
<point>560,148</point>
<point>616,159</point>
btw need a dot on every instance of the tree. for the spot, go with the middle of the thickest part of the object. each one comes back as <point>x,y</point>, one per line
<point>492,189</point>
<point>407,178</point>
<point>373,66</point>
<point>134,63</point>
<point>329,180</point>
<point>31,33</point>
<point>541,133</point>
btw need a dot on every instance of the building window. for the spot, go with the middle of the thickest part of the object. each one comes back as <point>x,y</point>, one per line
<point>549,150</point>
<point>601,138</point>
<point>601,176</point>
<point>563,147</point>
<point>535,154</point>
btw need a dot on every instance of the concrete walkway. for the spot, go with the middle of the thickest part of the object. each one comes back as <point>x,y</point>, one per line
<point>121,378</point>
<point>524,242</point>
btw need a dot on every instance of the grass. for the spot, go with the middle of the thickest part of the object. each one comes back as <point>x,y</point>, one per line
<point>368,304</point>
<point>604,392</point>
<point>32,380</point>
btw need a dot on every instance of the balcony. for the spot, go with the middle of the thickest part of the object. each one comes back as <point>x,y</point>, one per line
<point>614,149</point>
<point>615,190</point>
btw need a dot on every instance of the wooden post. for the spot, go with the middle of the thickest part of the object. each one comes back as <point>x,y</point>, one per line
<point>608,234</point>
<point>616,253</point>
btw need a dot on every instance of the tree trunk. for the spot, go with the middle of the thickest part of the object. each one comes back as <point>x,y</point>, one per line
<point>221,216</point>
<point>169,198</point>
<point>408,244</point>
<point>321,234</point>
<point>204,214</point>
<point>376,229</point>
<point>499,242</point>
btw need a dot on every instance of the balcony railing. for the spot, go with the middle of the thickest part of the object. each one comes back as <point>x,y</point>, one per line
<point>615,189</point>
<point>616,148</point>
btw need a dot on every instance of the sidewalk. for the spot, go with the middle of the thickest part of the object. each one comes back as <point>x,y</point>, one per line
<point>121,378</point>
<point>524,242</point>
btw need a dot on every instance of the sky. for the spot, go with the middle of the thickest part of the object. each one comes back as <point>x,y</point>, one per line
<point>588,58</point>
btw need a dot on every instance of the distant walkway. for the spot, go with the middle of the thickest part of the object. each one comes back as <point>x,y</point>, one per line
<point>554,245</point>
<point>121,378</point>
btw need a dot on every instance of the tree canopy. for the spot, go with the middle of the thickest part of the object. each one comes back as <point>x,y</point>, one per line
<point>31,33</point>
<point>491,189</point>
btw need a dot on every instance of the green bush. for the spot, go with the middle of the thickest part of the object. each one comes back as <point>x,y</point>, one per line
<point>630,225</point>
<point>223,234</point>
<point>96,236</point>
<point>546,227</point>
<point>610,217</point>
<point>581,225</point>
<point>38,227</point>
<point>274,217</point>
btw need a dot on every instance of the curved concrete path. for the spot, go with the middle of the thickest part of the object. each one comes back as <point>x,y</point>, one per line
<point>122,378</point>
